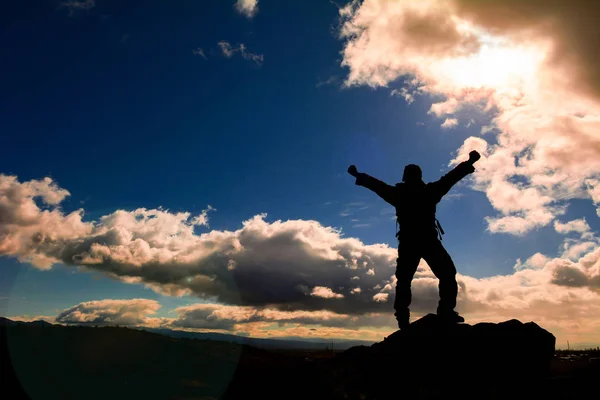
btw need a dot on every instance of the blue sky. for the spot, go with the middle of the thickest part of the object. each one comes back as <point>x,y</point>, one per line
<point>113,104</point>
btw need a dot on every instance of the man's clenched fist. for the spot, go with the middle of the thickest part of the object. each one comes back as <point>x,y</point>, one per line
<point>474,156</point>
<point>353,171</point>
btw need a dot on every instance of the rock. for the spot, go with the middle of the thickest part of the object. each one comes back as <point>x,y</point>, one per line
<point>432,355</point>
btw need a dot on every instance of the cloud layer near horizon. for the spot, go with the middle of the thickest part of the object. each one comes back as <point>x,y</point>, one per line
<point>517,61</point>
<point>296,271</point>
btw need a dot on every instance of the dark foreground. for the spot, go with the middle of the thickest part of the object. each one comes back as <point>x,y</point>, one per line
<point>42,361</point>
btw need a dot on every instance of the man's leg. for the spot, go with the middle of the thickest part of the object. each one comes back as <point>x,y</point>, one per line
<point>442,266</point>
<point>406,266</point>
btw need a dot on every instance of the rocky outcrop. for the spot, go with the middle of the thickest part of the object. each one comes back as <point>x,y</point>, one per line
<point>434,359</point>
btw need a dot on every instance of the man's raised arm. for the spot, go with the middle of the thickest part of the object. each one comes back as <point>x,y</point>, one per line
<point>445,183</point>
<point>382,189</point>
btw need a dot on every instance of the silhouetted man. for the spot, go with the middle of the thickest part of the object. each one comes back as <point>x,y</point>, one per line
<point>420,233</point>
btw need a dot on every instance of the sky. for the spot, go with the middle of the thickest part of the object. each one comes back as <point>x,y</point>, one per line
<point>183,164</point>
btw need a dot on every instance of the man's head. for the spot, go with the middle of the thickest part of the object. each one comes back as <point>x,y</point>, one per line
<point>412,174</point>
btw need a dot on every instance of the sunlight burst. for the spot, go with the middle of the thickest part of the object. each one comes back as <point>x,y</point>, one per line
<point>498,65</point>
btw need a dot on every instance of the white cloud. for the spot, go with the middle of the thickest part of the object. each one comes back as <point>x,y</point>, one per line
<point>444,108</point>
<point>26,227</point>
<point>249,8</point>
<point>517,225</point>
<point>353,208</point>
<point>202,219</point>
<point>536,261</point>
<point>199,52</point>
<point>110,312</point>
<point>574,249</point>
<point>229,51</point>
<point>487,128</point>
<point>212,316</point>
<point>326,293</point>
<point>501,57</point>
<point>449,123</point>
<point>226,48</point>
<point>408,96</point>
<point>329,81</point>
<point>381,297</point>
<point>577,225</point>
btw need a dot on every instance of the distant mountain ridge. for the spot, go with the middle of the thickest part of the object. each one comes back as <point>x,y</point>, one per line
<point>271,343</point>
<point>427,360</point>
<point>9,322</point>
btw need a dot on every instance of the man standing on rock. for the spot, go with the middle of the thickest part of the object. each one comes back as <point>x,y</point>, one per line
<point>420,233</point>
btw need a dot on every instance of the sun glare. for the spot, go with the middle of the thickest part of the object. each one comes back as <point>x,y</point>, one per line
<point>498,65</point>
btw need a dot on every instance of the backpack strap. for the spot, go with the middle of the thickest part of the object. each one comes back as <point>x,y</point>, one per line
<point>439,228</point>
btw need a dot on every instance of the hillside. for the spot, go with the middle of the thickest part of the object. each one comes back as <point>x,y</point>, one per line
<point>57,362</point>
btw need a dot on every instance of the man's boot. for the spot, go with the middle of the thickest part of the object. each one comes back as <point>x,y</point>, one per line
<point>450,316</point>
<point>403,318</point>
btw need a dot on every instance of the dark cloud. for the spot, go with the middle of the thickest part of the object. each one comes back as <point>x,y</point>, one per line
<point>262,264</point>
<point>569,276</point>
